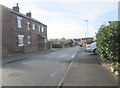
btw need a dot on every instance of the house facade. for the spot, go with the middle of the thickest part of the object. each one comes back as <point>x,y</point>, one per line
<point>21,33</point>
<point>0,32</point>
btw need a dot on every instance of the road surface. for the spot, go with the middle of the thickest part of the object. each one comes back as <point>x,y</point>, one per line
<point>66,67</point>
<point>38,69</point>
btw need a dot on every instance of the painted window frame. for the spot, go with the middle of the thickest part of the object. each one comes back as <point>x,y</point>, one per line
<point>33,26</point>
<point>39,28</point>
<point>28,25</point>
<point>19,22</point>
<point>42,29</point>
<point>29,39</point>
<point>20,40</point>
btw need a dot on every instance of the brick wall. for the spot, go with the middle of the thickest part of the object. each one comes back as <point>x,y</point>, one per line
<point>6,31</point>
<point>0,35</point>
<point>11,31</point>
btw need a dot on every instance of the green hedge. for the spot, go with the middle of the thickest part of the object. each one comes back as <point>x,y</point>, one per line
<point>108,42</point>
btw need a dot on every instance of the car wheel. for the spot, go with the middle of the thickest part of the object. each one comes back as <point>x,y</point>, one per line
<point>95,51</point>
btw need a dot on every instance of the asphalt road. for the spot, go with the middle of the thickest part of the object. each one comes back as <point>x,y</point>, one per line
<point>38,69</point>
<point>66,67</point>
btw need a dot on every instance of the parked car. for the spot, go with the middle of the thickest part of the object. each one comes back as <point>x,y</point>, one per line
<point>91,48</point>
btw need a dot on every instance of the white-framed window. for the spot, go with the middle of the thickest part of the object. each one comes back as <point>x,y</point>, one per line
<point>28,25</point>
<point>20,40</point>
<point>19,22</point>
<point>29,40</point>
<point>39,29</point>
<point>33,26</point>
<point>45,40</point>
<point>42,29</point>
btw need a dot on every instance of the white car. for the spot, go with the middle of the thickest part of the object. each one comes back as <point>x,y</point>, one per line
<point>92,48</point>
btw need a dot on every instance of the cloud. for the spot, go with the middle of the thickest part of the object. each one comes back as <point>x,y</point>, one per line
<point>68,29</point>
<point>71,23</point>
<point>67,19</point>
<point>63,28</point>
<point>32,1</point>
<point>78,9</point>
<point>90,10</point>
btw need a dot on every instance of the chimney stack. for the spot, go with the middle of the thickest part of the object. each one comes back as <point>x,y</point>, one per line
<point>28,14</point>
<point>16,8</point>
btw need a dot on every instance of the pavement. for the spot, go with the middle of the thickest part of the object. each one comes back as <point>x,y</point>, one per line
<point>21,56</point>
<point>86,71</point>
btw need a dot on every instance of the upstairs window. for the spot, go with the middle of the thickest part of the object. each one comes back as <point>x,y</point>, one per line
<point>33,26</point>
<point>42,29</point>
<point>28,25</point>
<point>45,40</point>
<point>19,22</point>
<point>39,28</point>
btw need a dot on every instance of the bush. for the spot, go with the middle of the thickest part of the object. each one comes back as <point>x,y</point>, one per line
<point>56,46</point>
<point>108,43</point>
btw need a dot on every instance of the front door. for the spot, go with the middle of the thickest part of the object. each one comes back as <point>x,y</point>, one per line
<point>40,41</point>
<point>20,43</point>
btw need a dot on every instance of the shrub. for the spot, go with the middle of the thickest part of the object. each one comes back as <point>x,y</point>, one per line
<point>56,46</point>
<point>108,43</point>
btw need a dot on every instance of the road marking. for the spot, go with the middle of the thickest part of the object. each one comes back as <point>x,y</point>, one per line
<point>62,79</point>
<point>54,73</point>
<point>73,56</point>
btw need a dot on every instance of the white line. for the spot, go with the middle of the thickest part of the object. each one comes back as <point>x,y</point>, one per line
<point>60,82</point>
<point>54,73</point>
<point>73,56</point>
<point>62,79</point>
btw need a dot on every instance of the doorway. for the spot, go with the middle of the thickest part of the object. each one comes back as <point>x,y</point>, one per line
<point>20,47</point>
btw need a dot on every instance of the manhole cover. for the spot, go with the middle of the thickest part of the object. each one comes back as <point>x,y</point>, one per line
<point>15,74</point>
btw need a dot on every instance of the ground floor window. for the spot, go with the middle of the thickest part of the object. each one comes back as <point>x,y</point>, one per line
<point>20,43</point>
<point>20,40</point>
<point>29,40</point>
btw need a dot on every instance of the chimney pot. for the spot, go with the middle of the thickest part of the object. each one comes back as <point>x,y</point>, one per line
<point>17,4</point>
<point>29,14</point>
<point>16,8</point>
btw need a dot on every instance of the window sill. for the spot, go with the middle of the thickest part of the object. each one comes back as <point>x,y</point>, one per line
<point>19,27</point>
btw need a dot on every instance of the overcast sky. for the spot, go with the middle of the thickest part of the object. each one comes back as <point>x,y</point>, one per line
<point>66,18</point>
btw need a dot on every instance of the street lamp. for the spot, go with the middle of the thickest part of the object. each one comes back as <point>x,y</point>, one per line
<point>87,33</point>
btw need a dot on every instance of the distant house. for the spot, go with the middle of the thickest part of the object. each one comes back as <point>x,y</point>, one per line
<point>77,41</point>
<point>21,33</point>
<point>85,41</point>
<point>94,38</point>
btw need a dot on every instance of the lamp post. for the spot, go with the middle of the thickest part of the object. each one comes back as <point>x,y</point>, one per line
<point>87,33</point>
